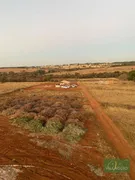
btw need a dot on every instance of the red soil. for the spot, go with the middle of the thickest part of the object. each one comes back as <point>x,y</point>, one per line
<point>113,134</point>
<point>16,148</point>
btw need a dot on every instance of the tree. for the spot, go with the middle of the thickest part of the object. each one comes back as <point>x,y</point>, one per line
<point>40,72</point>
<point>131,75</point>
<point>48,77</point>
<point>77,75</point>
<point>3,79</point>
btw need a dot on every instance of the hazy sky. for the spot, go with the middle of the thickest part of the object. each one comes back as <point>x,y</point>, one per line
<point>40,32</point>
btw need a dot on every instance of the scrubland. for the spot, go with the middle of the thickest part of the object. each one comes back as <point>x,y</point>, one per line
<point>47,112</point>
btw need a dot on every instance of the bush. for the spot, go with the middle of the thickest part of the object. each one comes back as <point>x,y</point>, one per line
<point>83,116</point>
<point>62,113</point>
<point>123,76</point>
<point>27,123</point>
<point>131,75</point>
<point>75,121</point>
<point>22,120</point>
<point>73,132</point>
<point>76,104</point>
<point>35,126</point>
<point>53,126</point>
<point>48,112</point>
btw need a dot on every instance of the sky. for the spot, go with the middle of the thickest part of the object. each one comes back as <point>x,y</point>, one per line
<point>42,32</point>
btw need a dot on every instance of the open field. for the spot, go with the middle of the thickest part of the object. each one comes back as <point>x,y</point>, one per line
<point>9,87</point>
<point>118,100</point>
<point>82,70</point>
<point>99,70</point>
<point>52,156</point>
<point>16,70</point>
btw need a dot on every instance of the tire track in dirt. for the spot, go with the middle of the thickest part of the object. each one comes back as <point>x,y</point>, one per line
<point>114,136</point>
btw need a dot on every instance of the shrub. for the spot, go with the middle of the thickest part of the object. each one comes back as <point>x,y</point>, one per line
<point>53,126</point>
<point>76,104</point>
<point>131,75</point>
<point>60,118</point>
<point>48,112</point>
<point>73,132</point>
<point>57,104</point>
<point>28,107</point>
<point>75,121</point>
<point>62,113</point>
<point>123,76</point>
<point>83,116</point>
<point>21,120</point>
<point>35,126</point>
<point>36,110</point>
<point>31,124</point>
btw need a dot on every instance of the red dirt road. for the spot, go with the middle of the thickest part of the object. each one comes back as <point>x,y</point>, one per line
<point>113,134</point>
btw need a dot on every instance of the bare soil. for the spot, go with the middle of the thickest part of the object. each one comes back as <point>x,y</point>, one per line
<point>17,148</point>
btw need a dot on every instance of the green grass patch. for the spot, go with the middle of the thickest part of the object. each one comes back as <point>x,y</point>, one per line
<point>73,132</point>
<point>53,127</point>
<point>30,124</point>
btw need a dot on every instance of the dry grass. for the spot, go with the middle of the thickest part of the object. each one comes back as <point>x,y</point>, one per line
<point>124,119</point>
<point>118,100</point>
<point>16,70</point>
<point>120,93</point>
<point>99,70</point>
<point>12,86</point>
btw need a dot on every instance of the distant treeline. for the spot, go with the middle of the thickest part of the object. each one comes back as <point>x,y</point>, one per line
<point>90,75</point>
<point>36,76</point>
<point>20,67</point>
<point>41,76</point>
<point>126,63</point>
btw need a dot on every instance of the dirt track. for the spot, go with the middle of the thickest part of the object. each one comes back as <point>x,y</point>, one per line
<point>113,134</point>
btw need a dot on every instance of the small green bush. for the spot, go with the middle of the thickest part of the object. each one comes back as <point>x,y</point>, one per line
<point>131,75</point>
<point>73,132</point>
<point>21,120</point>
<point>53,126</point>
<point>35,126</point>
<point>27,123</point>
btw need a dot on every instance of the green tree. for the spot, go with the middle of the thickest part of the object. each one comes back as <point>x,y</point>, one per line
<point>131,75</point>
<point>48,77</point>
<point>3,79</point>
